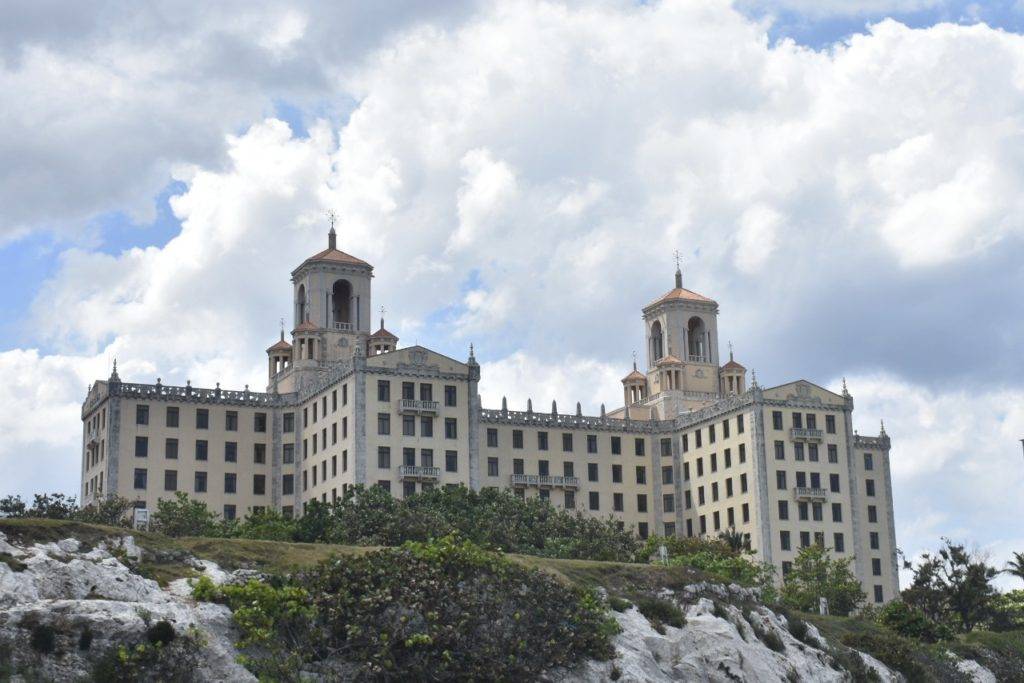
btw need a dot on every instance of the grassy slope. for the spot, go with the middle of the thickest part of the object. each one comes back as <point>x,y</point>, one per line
<point>165,562</point>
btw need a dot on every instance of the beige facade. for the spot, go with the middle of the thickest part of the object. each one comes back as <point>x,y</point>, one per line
<point>694,450</point>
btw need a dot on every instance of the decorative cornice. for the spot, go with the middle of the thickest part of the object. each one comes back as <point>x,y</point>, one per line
<point>190,394</point>
<point>562,421</point>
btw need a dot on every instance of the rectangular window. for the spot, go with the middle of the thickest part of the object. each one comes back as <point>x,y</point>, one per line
<point>777,419</point>
<point>141,415</point>
<point>686,443</point>
<point>837,512</point>
<point>746,516</point>
<point>409,457</point>
<point>517,438</point>
<point>714,462</point>
<point>334,401</point>
<point>666,448</point>
<point>171,449</point>
<point>725,428</point>
<point>229,512</point>
<point>288,423</point>
<point>812,421</point>
<point>812,452</point>
<point>801,479</point>
<point>838,543</point>
<point>617,502</point>
<point>202,449</point>
<point>869,461</point>
<point>700,467</point>
<point>641,530</point>
<point>830,424</point>
<point>408,425</point>
<point>334,465</point>
<point>641,475</point>
<point>288,453</point>
<point>288,484</point>
<point>743,483</point>
<point>798,452</point>
<point>784,540</point>
<point>384,390</point>
<point>666,475</point>
<point>687,499</point>
<point>492,437</point>
<point>568,469</point>
<point>711,433</point>
<point>591,443</point>
<point>780,450</point>
<point>492,467</point>
<point>451,428</point>
<point>517,466</point>
<point>449,395</point>
<point>334,434</point>
<point>315,418</point>
<point>426,392</point>
<point>686,471</point>
<point>872,514</point>
<point>567,442</point>
<point>230,482</point>
<point>816,512</point>
<point>783,510</point>
<point>878,594</point>
<point>591,471</point>
<point>802,511</point>
<point>542,441</point>
<point>638,446</point>
<point>728,488</point>
<point>876,566</point>
<point>230,451</point>
<point>728,458</point>
<point>141,447</point>
<point>259,422</point>
<point>833,453</point>
<point>409,391</point>
<point>451,461</point>
<point>805,539</point>
<point>743,453</point>
<point>703,524</point>
<point>408,488</point>
<point>739,424</point>
<point>259,453</point>
<point>200,482</point>
<point>717,517</point>
<point>383,424</point>
<point>798,421</point>
<point>730,517</point>
<point>869,485</point>
<point>383,457</point>
<point>815,480</point>
<point>570,500</point>
<point>616,445</point>
<point>833,483</point>
<point>700,495</point>
<point>641,502</point>
<point>780,480</point>
<point>231,420</point>
<point>668,503</point>
<point>426,426</point>
<point>172,416</point>
<point>873,540</point>
<point>259,484</point>
<point>595,500</point>
<point>427,457</point>
<point>714,491</point>
<point>170,480</point>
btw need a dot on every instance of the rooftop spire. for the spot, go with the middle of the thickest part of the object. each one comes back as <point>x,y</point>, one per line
<point>679,271</point>
<point>332,236</point>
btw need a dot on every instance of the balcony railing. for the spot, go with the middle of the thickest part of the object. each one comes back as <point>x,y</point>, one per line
<point>545,481</point>
<point>344,327</point>
<point>417,473</point>
<point>810,493</point>
<point>800,434</point>
<point>411,405</point>
<point>696,358</point>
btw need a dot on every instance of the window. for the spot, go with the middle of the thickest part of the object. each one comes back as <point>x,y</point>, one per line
<point>798,420</point>
<point>700,495</point>
<point>230,451</point>
<point>780,480</point>
<point>409,457</point>
<point>638,446</point>
<point>595,500</point>
<point>570,500</point>
<point>492,467</point>
<point>869,485</point>
<point>426,426</point>
<point>696,439</point>
<point>838,543</point>
<point>686,443</point>
<point>426,392</point>
<point>140,478</point>
<point>728,488</point>
<point>200,482</point>
<point>344,394</point>
<point>816,512</point>
<point>141,415</point>
<point>725,428</point>
<point>728,458</point>
<point>451,428</point>
<point>743,453</point>
<point>288,453</point>
<point>315,418</point>
<point>641,502</point>
<point>805,539</point>
<point>872,514</point>
<point>231,420</point>
<point>739,424</point>
<point>798,452</point>
<point>288,423</point>
<point>616,474</point>
<point>815,480</point>
<point>202,447</point>
<point>492,437</point>
<point>334,434</point>
<point>873,540</point>
<point>591,471</point>
<point>409,391</point>
<point>666,448</point>
<point>730,517</point>
<point>668,502</point>
<point>869,461</point>
<point>714,491</point>
<point>777,419</point>
<point>170,480</point>
<point>517,466</point>
<point>259,422</point>
<point>259,484</point>
<point>427,457</point>
<point>743,483</point>
<point>229,512</point>
<point>259,453</point>
<point>802,511</point>
<point>384,390</point>
<point>616,445</point>
<point>801,479</point>
<point>230,482</point>
<point>567,442</point>
<point>876,566</point>
<point>591,443</point>
<point>568,469</point>
<point>787,567</point>
<point>517,438</point>
<point>687,499</point>
<point>714,462</point>
<point>344,461</point>
<point>783,509</point>
<point>542,441</point>
<point>666,475</point>
<point>746,517</point>
<point>288,484</point>
<point>780,450</point>
<point>833,453</point>
<point>172,416</point>
<point>451,461</point>
<point>819,539</point>
<point>408,425</point>
<point>837,512</point>
<point>641,529</point>
<point>617,502</point>
<point>141,447</point>
<point>686,471</point>
<point>812,452</point>
<point>334,401</point>
<point>703,524</point>
<point>878,594</point>
<point>717,517</point>
<point>711,433</point>
<point>383,423</point>
<point>641,475</point>
<point>383,457</point>
<point>449,395</point>
<point>171,449</point>
<point>700,467</point>
<point>830,424</point>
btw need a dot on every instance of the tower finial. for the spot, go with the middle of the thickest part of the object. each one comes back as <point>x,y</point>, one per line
<point>634,360</point>
<point>282,329</point>
<point>332,236</point>
<point>846,392</point>
<point>679,270</point>
<point>730,351</point>
<point>881,430</point>
<point>113,375</point>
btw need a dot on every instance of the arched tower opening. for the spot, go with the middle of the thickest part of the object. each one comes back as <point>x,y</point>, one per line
<point>300,305</point>
<point>696,335</point>
<point>341,297</point>
<point>657,341</point>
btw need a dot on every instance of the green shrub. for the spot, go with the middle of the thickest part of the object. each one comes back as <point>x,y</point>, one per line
<point>182,516</point>
<point>43,639</point>
<point>798,629</point>
<point>911,622</point>
<point>769,637</point>
<point>815,575</point>
<point>893,651</point>
<point>176,661</point>
<point>619,604</point>
<point>160,633</point>
<point>660,611</point>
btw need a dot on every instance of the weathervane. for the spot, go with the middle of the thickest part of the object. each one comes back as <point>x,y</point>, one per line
<point>679,258</point>
<point>332,217</point>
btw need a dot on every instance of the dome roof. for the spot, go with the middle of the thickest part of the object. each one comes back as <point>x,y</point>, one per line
<point>383,334</point>
<point>635,376</point>
<point>280,346</point>
<point>733,365</point>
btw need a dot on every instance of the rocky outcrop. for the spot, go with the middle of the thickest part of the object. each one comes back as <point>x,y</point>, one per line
<point>64,608</point>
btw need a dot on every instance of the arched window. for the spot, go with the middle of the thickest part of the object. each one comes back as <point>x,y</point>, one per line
<point>697,345</point>
<point>341,295</point>
<point>657,343</point>
<point>300,305</point>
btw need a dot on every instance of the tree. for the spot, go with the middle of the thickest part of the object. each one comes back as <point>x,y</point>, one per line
<point>183,516</point>
<point>816,575</point>
<point>1015,567</point>
<point>12,506</point>
<point>53,506</point>
<point>953,587</point>
<point>736,540</point>
<point>112,511</point>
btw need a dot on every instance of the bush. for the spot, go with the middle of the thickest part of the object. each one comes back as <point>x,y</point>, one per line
<point>816,575</point>
<point>424,611</point>
<point>183,516</point>
<point>767,636</point>
<point>144,661</point>
<point>43,639</point>
<point>911,622</point>
<point>660,611</point>
<point>619,604</point>
<point>893,651</point>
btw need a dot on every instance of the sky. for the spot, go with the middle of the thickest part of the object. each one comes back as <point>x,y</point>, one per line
<point>844,178</point>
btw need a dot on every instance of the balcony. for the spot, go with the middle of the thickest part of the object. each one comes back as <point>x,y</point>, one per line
<point>411,405</point>
<point>545,481</point>
<point>810,494</point>
<point>694,358</point>
<point>417,473</point>
<point>344,327</point>
<point>799,434</point>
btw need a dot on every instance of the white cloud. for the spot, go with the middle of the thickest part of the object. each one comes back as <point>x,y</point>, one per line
<point>757,237</point>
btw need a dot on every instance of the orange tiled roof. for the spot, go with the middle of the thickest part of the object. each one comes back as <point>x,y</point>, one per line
<point>680,294</point>
<point>306,326</point>
<point>281,346</point>
<point>334,256</point>
<point>636,374</point>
